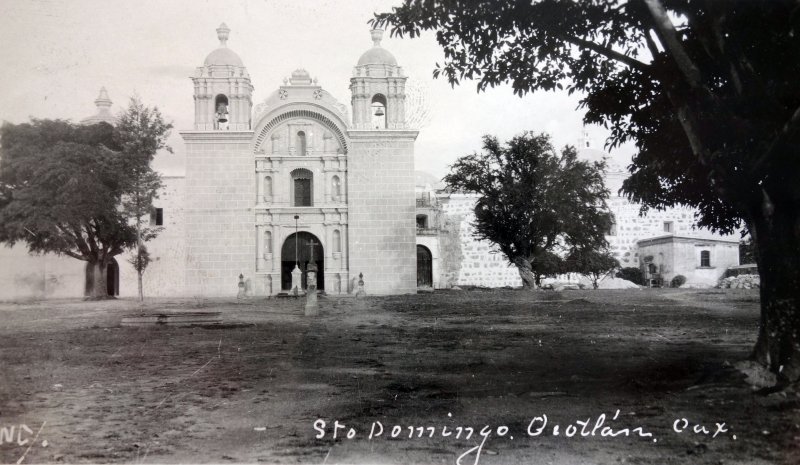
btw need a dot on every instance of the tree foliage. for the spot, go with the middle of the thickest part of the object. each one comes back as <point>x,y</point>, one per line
<point>62,185</point>
<point>593,263</point>
<point>534,204</point>
<point>677,281</point>
<point>706,89</point>
<point>66,189</point>
<point>747,251</point>
<point>141,132</point>
<point>632,274</point>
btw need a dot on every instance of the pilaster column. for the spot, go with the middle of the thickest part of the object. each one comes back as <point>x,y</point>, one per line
<point>260,263</point>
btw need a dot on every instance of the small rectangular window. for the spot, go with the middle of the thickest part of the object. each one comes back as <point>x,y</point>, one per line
<point>668,226</point>
<point>705,258</point>
<point>157,217</point>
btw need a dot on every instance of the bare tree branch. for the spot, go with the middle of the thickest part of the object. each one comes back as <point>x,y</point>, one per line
<point>608,53</point>
<point>669,37</point>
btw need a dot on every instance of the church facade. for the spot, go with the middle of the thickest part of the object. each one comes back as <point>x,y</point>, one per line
<point>271,188</point>
<point>297,180</point>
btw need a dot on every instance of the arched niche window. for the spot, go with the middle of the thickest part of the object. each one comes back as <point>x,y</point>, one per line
<point>336,187</point>
<point>705,258</point>
<point>302,187</point>
<point>267,242</point>
<point>221,119</point>
<point>378,108</point>
<point>267,187</point>
<point>422,221</point>
<point>300,143</point>
<point>337,241</point>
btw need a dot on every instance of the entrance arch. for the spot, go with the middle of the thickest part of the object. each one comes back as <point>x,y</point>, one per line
<point>303,259</point>
<point>424,267</point>
<point>112,278</point>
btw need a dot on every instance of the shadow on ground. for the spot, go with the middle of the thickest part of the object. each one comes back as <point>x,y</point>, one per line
<point>252,389</point>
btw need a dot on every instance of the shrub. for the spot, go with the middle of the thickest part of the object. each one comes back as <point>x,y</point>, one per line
<point>632,274</point>
<point>678,281</point>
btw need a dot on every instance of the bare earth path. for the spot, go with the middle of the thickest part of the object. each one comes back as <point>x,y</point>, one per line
<point>252,389</point>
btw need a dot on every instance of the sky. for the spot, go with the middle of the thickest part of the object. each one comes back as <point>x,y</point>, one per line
<point>57,54</point>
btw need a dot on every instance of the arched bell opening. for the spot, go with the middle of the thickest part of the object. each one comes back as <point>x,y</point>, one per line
<point>221,115</point>
<point>379,109</point>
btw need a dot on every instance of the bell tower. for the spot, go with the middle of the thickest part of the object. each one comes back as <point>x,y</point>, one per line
<point>223,93</point>
<point>378,89</point>
<point>381,204</point>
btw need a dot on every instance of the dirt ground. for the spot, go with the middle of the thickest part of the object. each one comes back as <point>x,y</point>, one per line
<point>78,387</point>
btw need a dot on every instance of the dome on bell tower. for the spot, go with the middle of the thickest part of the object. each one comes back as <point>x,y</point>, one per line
<point>377,55</point>
<point>103,114</point>
<point>378,89</point>
<point>223,55</point>
<point>222,90</point>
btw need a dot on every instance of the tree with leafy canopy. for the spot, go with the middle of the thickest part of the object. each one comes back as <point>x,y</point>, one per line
<point>747,251</point>
<point>706,89</point>
<point>593,263</point>
<point>63,188</point>
<point>533,203</point>
<point>141,132</point>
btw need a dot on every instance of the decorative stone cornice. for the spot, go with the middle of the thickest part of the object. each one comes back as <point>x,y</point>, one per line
<point>319,210</point>
<point>672,238</point>
<point>216,136</point>
<point>398,134</point>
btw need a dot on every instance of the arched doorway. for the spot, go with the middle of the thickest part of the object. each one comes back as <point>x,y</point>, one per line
<point>303,259</point>
<point>424,267</point>
<point>112,278</point>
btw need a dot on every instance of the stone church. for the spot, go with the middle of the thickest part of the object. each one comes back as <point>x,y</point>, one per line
<point>300,178</point>
<point>297,179</point>
<point>270,188</point>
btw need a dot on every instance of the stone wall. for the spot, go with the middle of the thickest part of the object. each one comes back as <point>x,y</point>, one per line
<point>381,203</point>
<point>476,262</point>
<point>24,276</point>
<point>630,227</point>
<point>166,273</point>
<point>450,251</point>
<point>220,217</point>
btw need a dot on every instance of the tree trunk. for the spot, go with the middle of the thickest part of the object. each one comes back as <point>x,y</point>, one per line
<point>776,233</point>
<point>141,293</point>
<point>96,280</point>
<point>529,281</point>
<point>139,269</point>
